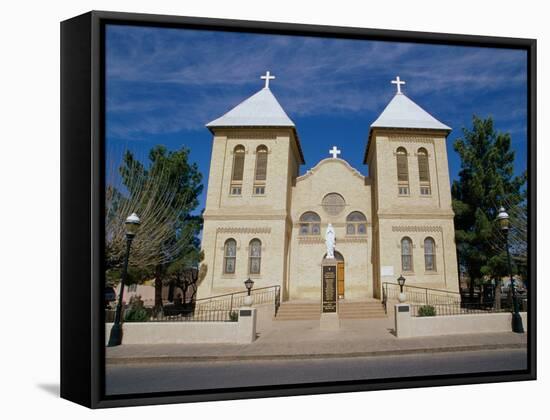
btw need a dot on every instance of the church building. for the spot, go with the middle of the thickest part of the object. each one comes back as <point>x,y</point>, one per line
<point>265,221</point>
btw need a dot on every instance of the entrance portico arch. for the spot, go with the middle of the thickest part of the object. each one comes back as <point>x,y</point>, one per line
<point>340,273</point>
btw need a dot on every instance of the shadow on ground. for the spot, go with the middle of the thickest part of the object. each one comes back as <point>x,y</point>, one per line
<point>52,389</point>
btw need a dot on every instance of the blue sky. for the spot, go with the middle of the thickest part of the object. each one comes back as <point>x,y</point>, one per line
<point>163,86</point>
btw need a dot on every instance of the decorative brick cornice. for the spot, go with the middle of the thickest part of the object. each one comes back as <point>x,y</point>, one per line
<point>306,240</point>
<point>417,229</point>
<point>448,215</point>
<point>411,139</point>
<point>351,240</point>
<point>312,240</point>
<point>243,217</point>
<point>243,230</point>
<point>252,135</point>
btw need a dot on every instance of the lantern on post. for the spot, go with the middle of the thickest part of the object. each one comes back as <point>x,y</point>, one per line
<point>401,282</point>
<point>503,220</point>
<point>132,224</point>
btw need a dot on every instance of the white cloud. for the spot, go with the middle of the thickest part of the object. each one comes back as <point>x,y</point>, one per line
<point>172,80</point>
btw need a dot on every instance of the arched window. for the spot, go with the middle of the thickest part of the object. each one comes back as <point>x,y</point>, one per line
<point>356,223</point>
<point>310,224</point>
<point>429,254</point>
<point>260,174</point>
<point>406,254</point>
<point>424,172</point>
<point>254,256</point>
<point>229,256</point>
<point>238,170</point>
<point>402,171</point>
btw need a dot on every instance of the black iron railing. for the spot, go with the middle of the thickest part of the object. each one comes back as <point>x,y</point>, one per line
<point>198,315</point>
<point>221,308</point>
<point>233,300</point>
<point>421,310</point>
<point>421,295</point>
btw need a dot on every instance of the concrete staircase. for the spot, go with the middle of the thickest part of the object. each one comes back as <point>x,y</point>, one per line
<point>298,311</point>
<point>361,309</point>
<point>301,311</point>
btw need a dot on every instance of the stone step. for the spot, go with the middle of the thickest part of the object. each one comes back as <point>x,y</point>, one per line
<point>299,311</point>
<point>316,309</point>
<point>300,308</point>
<point>360,309</point>
<point>363,311</point>
<point>297,318</point>
<point>370,316</point>
<point>360,314</point>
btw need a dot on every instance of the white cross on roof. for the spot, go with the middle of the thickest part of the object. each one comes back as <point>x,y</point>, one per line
<point>334,152</point>
<point>267,78</point>
<point>398,82</point>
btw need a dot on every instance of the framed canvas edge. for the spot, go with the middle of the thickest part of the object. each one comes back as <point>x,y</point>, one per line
<point>95,332</point>
<point>76,344</point>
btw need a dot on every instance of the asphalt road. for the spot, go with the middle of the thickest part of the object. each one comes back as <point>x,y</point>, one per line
<point>137,378</point>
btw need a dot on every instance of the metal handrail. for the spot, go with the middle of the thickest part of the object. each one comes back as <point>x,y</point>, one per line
<point>458,309</point>
<point>237,293</point>
<point>408,286</point>
<point>424,292</point>
<point>214,308</point>
<point>235,299</point>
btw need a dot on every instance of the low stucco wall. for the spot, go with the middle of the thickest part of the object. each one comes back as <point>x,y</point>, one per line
<point>408,326</point>
<point>241,332</point>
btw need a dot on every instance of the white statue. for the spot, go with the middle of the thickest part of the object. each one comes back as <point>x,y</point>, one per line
<point>330,241</point>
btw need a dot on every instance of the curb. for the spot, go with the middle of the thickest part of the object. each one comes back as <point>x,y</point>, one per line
<point>378,353</point>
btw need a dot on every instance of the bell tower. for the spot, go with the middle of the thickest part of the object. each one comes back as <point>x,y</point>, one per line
<point>413,226</point>
<point>255,159</point>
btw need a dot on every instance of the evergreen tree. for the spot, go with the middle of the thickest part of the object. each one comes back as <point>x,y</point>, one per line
<point>486,181</point>
<point>165,195</point>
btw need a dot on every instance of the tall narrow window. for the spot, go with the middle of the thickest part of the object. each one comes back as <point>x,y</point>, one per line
<point>255,256</point>
<point>260,174</point>
<point>424,172</point>
<point>429,254</point>
<point>406,254</point>
<point>356,223</point>
<point>238,171</point>
<point>402,171</point>
<point>310,224</point>
<point>229,256</point>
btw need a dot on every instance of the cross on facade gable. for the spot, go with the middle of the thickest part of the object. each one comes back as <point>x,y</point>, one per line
<point>334,152</point>
<point>267,78</point>
<point>398,82</point>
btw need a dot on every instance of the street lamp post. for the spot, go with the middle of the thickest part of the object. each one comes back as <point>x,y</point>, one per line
<point>504,221</point>
<point>401,282</point>
<point>132,225</point>
<point>249,283</point>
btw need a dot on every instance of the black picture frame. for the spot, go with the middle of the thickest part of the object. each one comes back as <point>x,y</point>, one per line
<point>82,204</point>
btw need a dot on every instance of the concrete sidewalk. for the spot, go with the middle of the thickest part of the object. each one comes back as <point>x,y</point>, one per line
<point>304,339</point>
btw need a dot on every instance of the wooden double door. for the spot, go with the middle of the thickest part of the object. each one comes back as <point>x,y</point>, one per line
<point>340,279</point>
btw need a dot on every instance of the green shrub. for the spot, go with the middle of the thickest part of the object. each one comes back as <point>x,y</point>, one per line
<point>233,316</point>
<point>426,310</point>
<point>136,312</point>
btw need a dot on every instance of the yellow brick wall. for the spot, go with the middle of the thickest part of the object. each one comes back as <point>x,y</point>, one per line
<point>294,262</point>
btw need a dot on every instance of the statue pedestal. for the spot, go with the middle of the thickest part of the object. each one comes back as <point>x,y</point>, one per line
<point>329,301</point>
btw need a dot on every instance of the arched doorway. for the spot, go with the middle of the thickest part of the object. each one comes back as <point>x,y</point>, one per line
<point>340,273</point>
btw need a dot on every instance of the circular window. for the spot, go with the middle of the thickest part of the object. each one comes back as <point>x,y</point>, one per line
<point>333,204</point>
